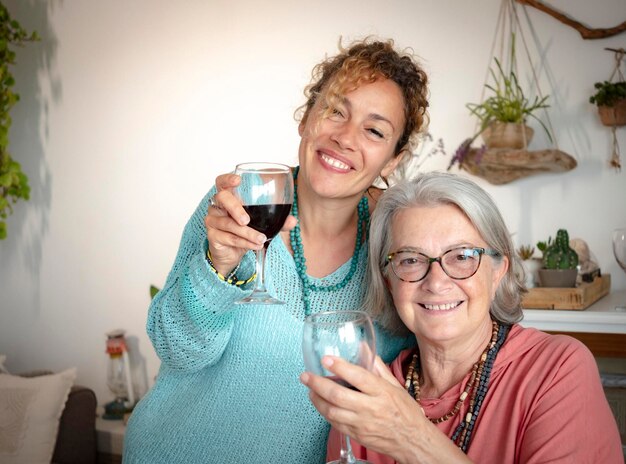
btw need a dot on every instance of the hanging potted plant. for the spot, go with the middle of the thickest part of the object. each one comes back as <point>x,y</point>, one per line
<point>13,182</point>
<point>505,110</point>
<point>610,98</point>
<point>503,115</point>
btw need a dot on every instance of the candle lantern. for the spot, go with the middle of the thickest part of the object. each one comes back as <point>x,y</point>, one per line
<point>119,379</point>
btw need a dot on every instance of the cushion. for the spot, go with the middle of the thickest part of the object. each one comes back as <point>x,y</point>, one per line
<point>30,409</point>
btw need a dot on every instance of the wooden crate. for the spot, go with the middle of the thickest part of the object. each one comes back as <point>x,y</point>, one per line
<point>576,298</point>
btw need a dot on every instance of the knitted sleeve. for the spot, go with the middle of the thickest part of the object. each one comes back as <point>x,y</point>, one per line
<point>191,319</point>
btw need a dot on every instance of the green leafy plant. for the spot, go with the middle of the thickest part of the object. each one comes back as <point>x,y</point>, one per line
<point>153,291</point>
<point>525,252</point>
<point>508,102</point>
<point>13,182</point>
<point>559,255</point>
<point>608,93</point>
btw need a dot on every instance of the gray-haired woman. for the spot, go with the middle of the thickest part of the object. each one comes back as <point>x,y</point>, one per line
<point>480,387</point>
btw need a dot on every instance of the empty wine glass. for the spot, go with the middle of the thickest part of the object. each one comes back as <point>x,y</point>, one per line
<point>266,192</point>
<point>345,334</point>
<point>619,250</point>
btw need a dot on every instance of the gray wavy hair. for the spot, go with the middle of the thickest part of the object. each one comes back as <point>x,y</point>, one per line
<point>433,189</point>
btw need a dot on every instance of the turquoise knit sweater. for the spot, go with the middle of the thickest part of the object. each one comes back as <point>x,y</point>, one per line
<point>228,389</point>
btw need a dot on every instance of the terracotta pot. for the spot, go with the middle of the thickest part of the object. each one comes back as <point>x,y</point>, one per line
<point>558,277</point>
<point>613,115</point>
<point>507,135</point>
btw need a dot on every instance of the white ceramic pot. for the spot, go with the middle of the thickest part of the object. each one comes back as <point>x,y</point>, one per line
<point>531,268</point>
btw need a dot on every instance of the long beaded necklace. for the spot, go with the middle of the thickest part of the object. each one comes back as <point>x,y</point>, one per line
<point>308,285</point>
<point>476,387</point>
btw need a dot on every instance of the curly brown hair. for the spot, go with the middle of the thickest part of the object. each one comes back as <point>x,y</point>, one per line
<point>364,62</point>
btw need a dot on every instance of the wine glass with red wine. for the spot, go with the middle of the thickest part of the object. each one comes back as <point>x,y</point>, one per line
<point>345,334</point>
<point>266,193</point>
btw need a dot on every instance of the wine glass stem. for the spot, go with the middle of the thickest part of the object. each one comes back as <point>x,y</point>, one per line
<point>259,285</point>
<point>346,456</point>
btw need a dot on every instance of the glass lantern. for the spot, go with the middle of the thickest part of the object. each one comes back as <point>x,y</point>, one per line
<point>118,376</point>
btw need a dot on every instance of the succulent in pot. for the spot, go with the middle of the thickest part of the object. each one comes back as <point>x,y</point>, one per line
<point>560,263</point>
<point>525,252</point>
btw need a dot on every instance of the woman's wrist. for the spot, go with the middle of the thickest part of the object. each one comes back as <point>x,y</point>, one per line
<point>230,277</point>
<point>429,444</point>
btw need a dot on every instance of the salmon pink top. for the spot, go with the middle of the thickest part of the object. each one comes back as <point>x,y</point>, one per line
<point>545,404</point>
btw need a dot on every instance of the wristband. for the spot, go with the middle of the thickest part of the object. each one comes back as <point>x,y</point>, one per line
<point>231,278</point>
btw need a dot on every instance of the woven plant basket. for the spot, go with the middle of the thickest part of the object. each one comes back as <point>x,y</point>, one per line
<point>507,135</point>
<point>613,115</point>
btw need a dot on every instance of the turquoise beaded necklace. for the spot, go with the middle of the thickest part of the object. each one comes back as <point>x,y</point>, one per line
<point>308,285</point>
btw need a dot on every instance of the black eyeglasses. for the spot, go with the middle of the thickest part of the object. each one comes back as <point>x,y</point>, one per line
<point>458,263</point>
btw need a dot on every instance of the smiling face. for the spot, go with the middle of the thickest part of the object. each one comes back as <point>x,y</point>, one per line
<point>438,309</point>
<point>345,147</point>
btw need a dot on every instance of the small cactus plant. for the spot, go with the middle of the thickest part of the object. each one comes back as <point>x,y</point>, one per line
<point>559,255</point>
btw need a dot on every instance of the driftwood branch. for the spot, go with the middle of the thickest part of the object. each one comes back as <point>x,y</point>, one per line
<point>585,32</point>
<point>501,166</point>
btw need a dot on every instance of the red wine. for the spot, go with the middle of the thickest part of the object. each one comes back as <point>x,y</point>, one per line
<point>267,219</point>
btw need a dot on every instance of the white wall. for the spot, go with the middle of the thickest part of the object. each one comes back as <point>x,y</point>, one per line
<point>130,109</point>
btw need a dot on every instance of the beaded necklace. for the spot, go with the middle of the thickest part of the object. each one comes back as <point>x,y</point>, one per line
<point>308,285</point>
<point>476,387</point>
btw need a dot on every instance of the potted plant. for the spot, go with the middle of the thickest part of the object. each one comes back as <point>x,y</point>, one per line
<point>560,263</point>
<point>610,98</point>
<point>530,264</point>
<point>13,182</point>
<point>503,115</point>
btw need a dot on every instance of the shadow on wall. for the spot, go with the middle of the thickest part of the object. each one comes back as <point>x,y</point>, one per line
<point>34,69</point>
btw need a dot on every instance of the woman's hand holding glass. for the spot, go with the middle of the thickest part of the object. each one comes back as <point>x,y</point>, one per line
<point>227,228</point>
<point>347,335</point>
<point>380,415</point>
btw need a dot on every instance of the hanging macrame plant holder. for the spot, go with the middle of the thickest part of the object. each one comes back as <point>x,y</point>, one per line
<point>614,116</point>
<point>495,162</point>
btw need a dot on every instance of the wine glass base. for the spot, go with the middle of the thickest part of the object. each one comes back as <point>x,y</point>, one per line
<point>260,298</point>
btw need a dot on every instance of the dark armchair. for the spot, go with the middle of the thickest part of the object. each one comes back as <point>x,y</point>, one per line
<point>76,440</point>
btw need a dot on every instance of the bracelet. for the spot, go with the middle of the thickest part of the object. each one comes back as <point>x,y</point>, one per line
<point>231,278</point>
